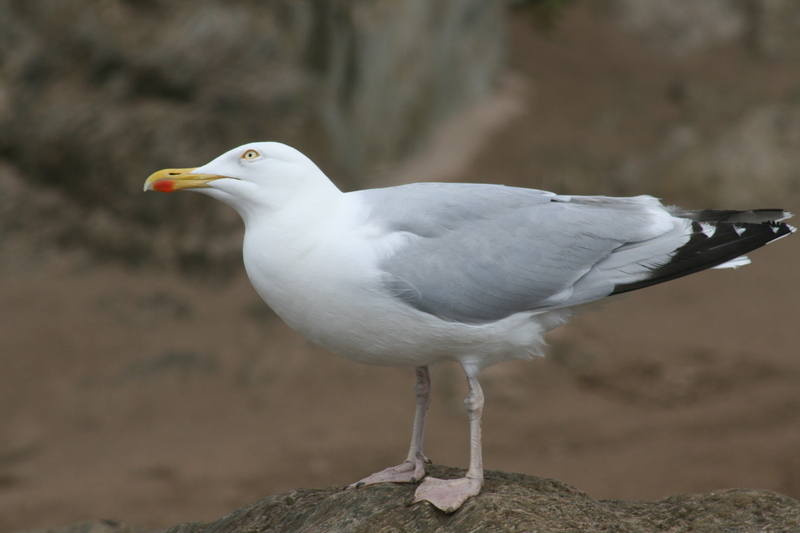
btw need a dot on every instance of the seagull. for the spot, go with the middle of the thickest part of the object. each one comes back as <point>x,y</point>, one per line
<point>421,273</point>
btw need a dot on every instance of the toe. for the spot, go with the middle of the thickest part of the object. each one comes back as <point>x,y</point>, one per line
<point>403,473</point>
<point>447,494</point>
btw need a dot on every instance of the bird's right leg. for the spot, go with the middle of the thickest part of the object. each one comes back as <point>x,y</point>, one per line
<point>413,468</point>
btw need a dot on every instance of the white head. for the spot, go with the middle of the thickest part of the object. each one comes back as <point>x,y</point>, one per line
<point>260,175</point>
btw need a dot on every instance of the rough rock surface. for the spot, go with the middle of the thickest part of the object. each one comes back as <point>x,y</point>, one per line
<point>509,502</point>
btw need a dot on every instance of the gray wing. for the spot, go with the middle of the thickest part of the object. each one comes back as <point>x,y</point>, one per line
<point>477,253</point>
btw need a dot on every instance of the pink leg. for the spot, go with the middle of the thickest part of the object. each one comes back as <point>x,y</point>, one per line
<point>449,494</point>
<point>413,468</point>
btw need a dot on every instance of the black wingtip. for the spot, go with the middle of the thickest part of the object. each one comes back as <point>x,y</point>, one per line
<point>714,242</point>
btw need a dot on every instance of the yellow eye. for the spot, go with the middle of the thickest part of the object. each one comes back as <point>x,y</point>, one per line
<point>251,154</point>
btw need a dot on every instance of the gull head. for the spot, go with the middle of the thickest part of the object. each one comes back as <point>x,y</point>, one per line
<point>259,174</point>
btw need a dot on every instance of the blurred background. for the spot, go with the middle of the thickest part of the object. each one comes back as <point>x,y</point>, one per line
<point>142,379</point>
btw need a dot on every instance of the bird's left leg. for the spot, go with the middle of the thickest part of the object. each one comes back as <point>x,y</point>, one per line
<point>448,494</point>
<point>413,468</point>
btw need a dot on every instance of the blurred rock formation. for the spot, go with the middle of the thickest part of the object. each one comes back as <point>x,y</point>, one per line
<point>94,96</point>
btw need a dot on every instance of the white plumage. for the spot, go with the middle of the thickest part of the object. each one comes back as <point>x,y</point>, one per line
<point>421,273</point>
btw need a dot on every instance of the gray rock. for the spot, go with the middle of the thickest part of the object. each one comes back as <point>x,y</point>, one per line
<point>509,502</point>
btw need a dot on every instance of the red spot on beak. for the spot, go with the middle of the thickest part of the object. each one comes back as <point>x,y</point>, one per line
<point>164,186</point>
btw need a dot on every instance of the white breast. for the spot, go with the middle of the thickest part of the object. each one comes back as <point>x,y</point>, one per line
<point>321,277</point>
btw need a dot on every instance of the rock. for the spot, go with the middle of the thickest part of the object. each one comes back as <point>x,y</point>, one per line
<point>680,28</point>
<point>509,502</point>
<point>89,109</point>
<point>757,148</point>
<point>774,30</point>
<point>769,28</point>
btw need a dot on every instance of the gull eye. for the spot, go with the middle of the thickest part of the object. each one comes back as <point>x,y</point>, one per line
<point>250,155</point>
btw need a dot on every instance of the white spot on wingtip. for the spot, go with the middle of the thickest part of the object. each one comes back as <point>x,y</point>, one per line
<point>707,229</point>
<point>792,229</point>
<point>739,229</point>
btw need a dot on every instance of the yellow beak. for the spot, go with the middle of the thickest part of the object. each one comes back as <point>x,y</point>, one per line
<point>173,179</point>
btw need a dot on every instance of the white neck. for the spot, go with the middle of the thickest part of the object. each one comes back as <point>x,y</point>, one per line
<point>294,211</point>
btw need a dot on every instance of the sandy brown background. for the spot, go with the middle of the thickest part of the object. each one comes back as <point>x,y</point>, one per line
<point>153,394</point>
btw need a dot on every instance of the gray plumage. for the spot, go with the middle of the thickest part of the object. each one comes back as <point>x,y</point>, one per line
<point>478,253</point>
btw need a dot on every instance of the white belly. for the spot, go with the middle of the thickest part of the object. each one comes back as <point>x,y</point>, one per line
<point>334,296</point>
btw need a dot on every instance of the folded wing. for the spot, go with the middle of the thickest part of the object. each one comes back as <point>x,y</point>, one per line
<point>479,253</point>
